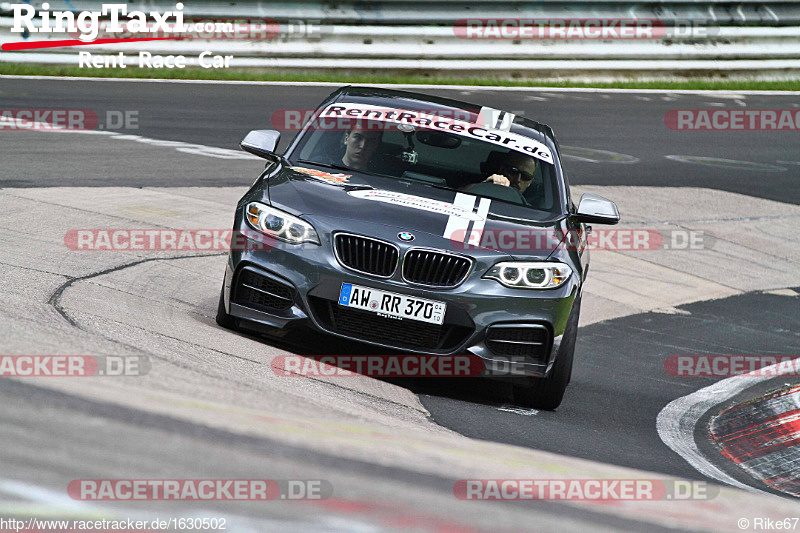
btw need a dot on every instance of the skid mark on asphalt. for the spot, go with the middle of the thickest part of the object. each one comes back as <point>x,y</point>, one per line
<point>31,269</point>
<point>55,298</point>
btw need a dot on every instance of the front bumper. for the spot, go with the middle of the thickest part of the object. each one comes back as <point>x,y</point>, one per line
<point>300,285</point>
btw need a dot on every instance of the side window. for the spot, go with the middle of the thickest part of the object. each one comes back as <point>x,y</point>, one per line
<point>322,147</point>
<point>543,191</point>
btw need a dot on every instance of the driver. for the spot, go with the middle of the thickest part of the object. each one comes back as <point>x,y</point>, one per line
<point>513,169</point>
<point>359,145</point>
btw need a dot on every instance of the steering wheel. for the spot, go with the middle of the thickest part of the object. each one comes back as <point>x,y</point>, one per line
<point>501,192</point>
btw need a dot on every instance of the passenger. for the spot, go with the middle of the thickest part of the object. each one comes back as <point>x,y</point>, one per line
<point>360,144</point>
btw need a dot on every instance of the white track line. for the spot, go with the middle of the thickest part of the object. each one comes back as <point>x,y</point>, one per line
<point>186,148</point>
<point>677,421</point>
<point>415,86</point>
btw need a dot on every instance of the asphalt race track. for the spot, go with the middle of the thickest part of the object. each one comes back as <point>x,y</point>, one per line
<point>620,383</point>
<point>211,408</point>
<point>629,124</point>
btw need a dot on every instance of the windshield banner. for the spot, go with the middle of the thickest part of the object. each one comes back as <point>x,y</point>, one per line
<point>412,118</point>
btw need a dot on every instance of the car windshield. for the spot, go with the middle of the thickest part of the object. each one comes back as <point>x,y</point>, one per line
<point>434,157</point>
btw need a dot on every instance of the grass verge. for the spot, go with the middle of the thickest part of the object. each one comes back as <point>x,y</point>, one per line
<point>27,69</point>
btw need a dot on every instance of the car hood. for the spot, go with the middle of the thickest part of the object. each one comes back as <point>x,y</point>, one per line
<point>361,202</point>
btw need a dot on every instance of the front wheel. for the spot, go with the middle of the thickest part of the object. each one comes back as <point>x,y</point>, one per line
<point>547,393</point>
<point>223,318</point>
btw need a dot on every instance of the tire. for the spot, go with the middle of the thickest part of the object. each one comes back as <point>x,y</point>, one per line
<point>223,318</point>
<point>547,393</point>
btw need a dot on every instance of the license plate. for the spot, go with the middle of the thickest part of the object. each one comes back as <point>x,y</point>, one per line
<point>391,304</point>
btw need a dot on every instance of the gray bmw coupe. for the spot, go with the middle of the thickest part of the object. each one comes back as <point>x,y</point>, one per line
<point>420,224</point>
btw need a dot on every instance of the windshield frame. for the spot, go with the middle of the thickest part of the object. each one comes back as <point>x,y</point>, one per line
<point>559,211</point>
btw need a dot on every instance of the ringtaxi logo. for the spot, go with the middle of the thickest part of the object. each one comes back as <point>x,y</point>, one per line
<point>583,489</point>
<point>87,23</point>
<point>733,119</point>
<point>173,240</point>
<point>732,365</point>
<point>199,489</point>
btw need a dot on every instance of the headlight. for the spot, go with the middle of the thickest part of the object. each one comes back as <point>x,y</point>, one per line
<point>282,226</point>
<point>539,275</point>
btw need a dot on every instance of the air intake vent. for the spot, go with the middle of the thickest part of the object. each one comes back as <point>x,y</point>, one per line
<point>260,292</point>
<point>435,269</point>
<point>365,255</point>
<point>525,340</point>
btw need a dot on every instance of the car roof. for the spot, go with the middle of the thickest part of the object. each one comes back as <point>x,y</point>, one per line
<point>416,101</point>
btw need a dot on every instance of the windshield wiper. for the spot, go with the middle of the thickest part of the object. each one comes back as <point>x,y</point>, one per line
<point>326,165</point>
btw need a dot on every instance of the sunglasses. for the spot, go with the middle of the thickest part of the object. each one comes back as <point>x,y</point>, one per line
<point>517,173</point>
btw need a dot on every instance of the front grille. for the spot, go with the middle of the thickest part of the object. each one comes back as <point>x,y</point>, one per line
<point>403,334</point>
<point>261,293</point>
<point>371,327</point>
<point>365,255</point>
<point>530,340</point>
<point>436,269</point>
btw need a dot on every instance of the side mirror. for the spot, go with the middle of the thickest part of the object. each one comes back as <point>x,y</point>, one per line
<point>262,143</point>
<point>596,209</point>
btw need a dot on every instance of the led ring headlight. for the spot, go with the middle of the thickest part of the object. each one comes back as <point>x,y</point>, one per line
<point>510,275</point>
<point>279,224</point>
<point>530,275</point>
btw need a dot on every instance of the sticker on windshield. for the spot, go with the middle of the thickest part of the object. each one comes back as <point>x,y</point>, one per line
<point>480,132</point>
<point>325,176</point>
<point>419,202</point>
